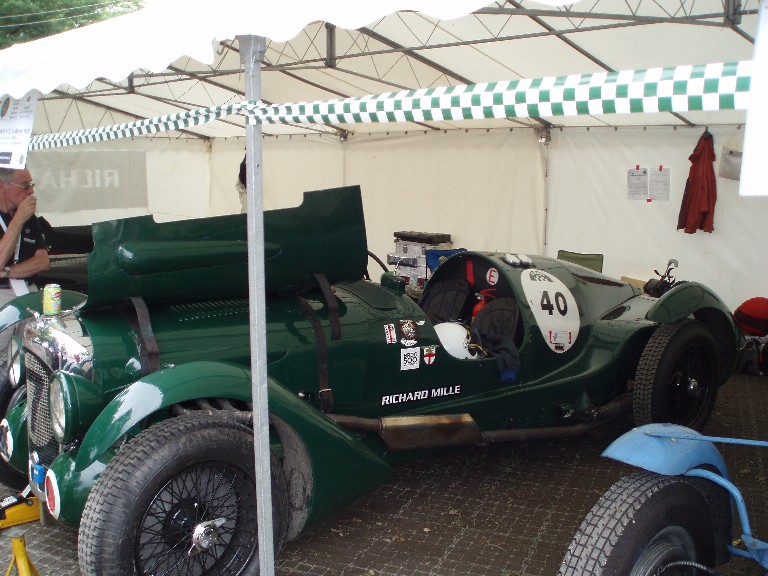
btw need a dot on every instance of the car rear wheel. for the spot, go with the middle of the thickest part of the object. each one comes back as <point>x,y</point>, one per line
<point>676,379</point>
<point>179,499</point>
<point>643,525</point>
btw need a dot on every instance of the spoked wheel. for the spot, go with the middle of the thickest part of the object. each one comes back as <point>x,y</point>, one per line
<point>193,523</point>
<point>644,525</point>
<point>676,379</point>
<point>180,499</point>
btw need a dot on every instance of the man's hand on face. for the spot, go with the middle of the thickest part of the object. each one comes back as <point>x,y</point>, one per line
<point>26,208</point>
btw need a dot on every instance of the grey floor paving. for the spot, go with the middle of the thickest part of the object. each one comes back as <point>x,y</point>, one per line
<point>502,510</point>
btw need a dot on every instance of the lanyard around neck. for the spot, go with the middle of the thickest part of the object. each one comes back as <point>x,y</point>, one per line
<point>18,244</point>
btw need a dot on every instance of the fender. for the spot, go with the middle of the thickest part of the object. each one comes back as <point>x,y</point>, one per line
<point>330,447</point>
<point>155,392</point>
<point>664,455</point>
<point>23,306</point>
<point>15,422</point>
<point>682,301</point>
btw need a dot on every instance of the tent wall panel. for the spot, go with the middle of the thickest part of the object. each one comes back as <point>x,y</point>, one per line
<point>291,167</point>
<point>483,188</point>
<point>226,155</point>
<point>589,210</point>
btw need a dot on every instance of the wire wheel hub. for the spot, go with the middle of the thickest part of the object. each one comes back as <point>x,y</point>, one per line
<point>205,535</point>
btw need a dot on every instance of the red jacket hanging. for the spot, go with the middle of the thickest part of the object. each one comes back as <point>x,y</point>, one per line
<point>698,209</point>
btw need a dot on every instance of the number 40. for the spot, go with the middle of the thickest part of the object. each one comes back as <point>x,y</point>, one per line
<point>560,303</point>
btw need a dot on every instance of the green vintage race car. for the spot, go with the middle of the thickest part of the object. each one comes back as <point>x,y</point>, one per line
<point>132,416</point>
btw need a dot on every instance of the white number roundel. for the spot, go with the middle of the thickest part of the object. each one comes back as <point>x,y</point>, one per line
<point>553,307</point>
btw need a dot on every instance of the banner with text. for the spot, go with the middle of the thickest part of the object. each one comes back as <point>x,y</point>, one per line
<point>72,181</point>
<point>16,120</point>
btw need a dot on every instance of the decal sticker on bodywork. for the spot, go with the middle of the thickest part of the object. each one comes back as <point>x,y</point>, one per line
<point>404,397</point>
<point>442,392</point>
<point>410,358</point>
<point>409,332</point>
<point>553,307</point>
<point>390,334</point>
<point>429,354</point>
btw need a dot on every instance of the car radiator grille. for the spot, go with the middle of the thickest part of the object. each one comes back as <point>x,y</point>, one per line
<point>39,418</point>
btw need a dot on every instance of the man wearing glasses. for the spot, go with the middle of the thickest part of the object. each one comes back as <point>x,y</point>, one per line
<point>23,250</point>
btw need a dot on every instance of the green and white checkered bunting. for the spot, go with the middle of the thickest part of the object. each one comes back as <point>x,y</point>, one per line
<point>165,123</point>
<point>705,87</point>
<point>677,89</point>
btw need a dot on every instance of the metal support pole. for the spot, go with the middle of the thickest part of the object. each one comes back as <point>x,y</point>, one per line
<point>251,54</point>
<point>732,12</point>
<point>330,45</point>
<point>752,181</point>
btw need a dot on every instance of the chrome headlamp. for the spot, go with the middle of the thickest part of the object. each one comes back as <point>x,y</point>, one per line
<point>72,403</point>
<point>58,403</point>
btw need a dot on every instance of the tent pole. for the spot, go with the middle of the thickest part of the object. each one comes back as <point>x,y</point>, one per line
<point>752,182</point>
<point>251,54</point>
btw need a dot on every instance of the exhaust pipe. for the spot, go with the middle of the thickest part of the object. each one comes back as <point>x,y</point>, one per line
<point>417,432</point>
<point>453,430</point>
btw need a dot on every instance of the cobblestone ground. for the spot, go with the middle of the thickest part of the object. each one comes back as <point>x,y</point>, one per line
<point>503,510</point>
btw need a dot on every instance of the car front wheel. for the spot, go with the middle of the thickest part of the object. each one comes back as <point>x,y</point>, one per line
<point>645,524</point>
<point>676,379</point>
<point>179,499</point>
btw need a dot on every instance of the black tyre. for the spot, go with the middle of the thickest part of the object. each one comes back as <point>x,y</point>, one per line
<point>677,376</point>
<point>179,499</point>
<point>10,398</point>
<point>643,523</point>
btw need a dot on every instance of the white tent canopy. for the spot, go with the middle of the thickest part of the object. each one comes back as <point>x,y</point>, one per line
<point>178,30</point>
<point>366,49</point>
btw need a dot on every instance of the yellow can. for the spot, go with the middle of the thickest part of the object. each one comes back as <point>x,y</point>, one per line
<point>52,300</point>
